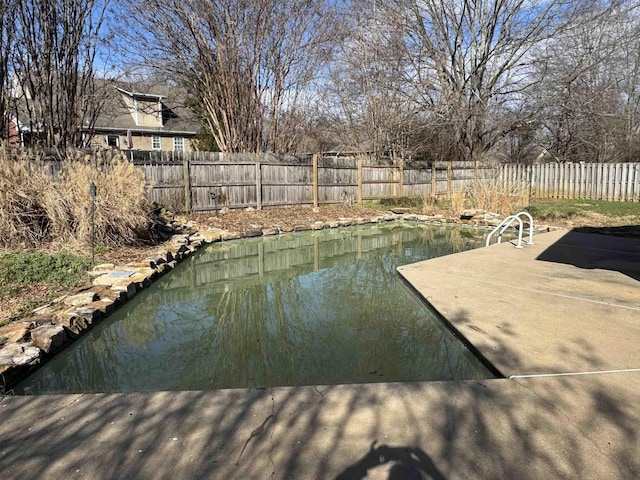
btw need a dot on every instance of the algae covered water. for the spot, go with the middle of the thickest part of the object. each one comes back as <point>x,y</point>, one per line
<point>313,308</point>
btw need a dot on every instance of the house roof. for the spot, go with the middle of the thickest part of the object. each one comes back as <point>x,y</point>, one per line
<point>177,118</point>
<point>146,96</point>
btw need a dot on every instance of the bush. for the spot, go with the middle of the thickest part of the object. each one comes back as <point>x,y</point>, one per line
<point>402,202</point>
<point>37,209</point>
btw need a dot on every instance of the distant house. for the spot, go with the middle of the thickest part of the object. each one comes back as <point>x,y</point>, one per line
<point>144,121</point>
<point>12,134</point>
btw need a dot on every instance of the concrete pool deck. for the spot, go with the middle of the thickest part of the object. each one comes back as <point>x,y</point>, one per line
<point>568,303</point>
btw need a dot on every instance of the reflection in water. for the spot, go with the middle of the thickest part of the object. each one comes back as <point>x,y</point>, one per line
<point>301,309</point>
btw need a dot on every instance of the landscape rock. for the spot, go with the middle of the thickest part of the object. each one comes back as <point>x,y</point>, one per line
<point>317,225</point>
<point>104,266</point>
<point>144,276</point>
<point>252,233</point>
<point>83,298</point>
<point>112,278</point>
<point>143,264</point>
<point>211,236</point>
<point>227,235</point>
<point>164,257</point>
<point>46,309</point>
<point>179,239</point>
<point>470,213</point>
<point>19,354</point>
<point>129,289</point>
<point>48,338</point>
<point>269,231</point>
<point>15,331</point>
<point>75,321</point>
<point>177,249</point>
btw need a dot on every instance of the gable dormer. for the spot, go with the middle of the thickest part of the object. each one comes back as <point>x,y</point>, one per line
<point>146,109</point>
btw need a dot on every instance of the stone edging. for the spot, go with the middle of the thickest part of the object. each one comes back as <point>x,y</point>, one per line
<point>34,339</point>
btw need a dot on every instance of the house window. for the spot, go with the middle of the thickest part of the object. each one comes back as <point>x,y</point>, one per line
<point>155,142</point>
<point>113,141</point>
<point>178,144</point>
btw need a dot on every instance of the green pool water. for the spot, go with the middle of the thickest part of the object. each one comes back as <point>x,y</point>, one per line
<point>299,309</point>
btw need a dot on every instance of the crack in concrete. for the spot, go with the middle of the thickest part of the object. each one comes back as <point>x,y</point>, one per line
<point>256,432</point>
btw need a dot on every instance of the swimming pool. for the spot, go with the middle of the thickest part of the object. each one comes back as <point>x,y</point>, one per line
<point>311,308</point>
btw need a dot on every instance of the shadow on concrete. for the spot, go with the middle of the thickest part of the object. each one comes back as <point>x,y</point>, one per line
<point>561,427</point>
<point>586,248</point>
<point>626,231</point>
<point>404,463</point>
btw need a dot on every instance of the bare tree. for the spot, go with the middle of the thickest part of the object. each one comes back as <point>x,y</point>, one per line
<point>247,61</point>
<point>365,93</point>
<point>471,61</point>
<point>6,41</point>
<point>588,87</point>
<point>53,57</point>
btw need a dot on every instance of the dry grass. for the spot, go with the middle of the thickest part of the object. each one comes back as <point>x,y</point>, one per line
<point>458,201</point>
<point>38,210</point>
<point>487,194</point>
<point>428,203</point>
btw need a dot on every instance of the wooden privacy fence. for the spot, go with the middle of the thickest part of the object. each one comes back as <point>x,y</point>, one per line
<point>593,181</point>
<point>199,182</point>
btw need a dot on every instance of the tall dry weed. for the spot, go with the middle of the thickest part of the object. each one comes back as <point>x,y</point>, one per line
<point>23,217</point>
<point>488,194</point>
<point>37,209</point>
<point>428,203</point>
<point>458,201</point>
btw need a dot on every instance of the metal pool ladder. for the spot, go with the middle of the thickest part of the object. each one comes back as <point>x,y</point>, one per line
<point>507,222</point>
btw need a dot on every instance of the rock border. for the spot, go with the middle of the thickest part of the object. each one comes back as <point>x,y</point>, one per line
<point>33,340</point>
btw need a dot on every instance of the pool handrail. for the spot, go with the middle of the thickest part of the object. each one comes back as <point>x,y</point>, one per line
<point>504,224</point>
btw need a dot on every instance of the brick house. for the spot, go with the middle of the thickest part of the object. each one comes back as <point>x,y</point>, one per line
<point>12,134</point>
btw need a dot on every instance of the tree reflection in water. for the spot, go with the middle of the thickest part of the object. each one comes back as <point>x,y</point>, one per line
<point>302,309</point>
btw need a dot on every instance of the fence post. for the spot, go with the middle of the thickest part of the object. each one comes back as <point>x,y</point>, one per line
<point>394,178</point>
<point>258,186</point>
<point>449,178</point>
<point>433,179</point>
<point>186,172</point>
<point>475,176</point>
<point>359,179</point>
<point>314,161</point>
<point>401,180</point>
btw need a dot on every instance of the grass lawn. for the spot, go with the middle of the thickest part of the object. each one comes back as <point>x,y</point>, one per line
<point>29,279</point>
<point>551,209</point>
